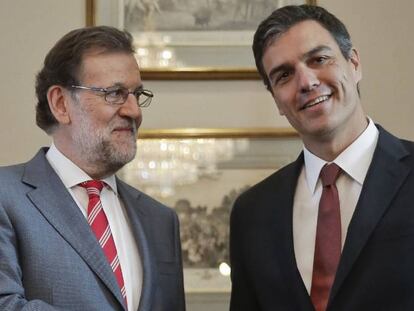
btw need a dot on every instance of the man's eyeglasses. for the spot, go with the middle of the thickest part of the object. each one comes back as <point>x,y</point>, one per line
<point>118,95</point>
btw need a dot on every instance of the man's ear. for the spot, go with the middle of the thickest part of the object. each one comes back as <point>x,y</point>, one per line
<point>356,65</point>
<point>58,99</point>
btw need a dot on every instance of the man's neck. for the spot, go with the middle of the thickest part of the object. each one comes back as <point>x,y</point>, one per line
<point>331,145</point>
<point>95,170</point>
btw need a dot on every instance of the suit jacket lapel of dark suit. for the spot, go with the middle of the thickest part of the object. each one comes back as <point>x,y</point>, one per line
<point>56,204</point>
<point>281,236</point>
<point>385,176</point>
<point>137,217</point>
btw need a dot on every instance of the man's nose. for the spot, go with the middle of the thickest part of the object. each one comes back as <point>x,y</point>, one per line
<point>131,109</point>
<point>307,79</point>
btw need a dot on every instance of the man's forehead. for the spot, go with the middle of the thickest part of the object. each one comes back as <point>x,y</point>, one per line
<point>102,55</point>
<point>300,39</point>
<point>115,65</point>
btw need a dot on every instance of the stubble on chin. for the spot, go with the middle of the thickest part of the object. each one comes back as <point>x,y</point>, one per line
<point>103,153</point>
<point>120,153</point>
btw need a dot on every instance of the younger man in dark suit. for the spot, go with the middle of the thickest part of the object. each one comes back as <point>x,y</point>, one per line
<point>334,229</point>
<point>72,235</point>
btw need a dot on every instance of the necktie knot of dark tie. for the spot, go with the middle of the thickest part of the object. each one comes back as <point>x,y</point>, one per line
<point>93,187</point>
<point>329,174</point>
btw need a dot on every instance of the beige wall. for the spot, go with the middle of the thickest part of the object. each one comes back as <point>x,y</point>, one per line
<point>380,29</point>
<point>28,30</point>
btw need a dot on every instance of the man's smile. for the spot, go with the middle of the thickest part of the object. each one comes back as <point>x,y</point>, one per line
<point>315,101</point>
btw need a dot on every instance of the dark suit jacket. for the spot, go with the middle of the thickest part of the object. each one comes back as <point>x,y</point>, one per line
<point>51,260</point>
<point>376,270</point>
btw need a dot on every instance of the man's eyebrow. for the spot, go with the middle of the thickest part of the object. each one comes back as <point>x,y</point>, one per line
<point>121,85</point>
<point>316,50</point>
<point>115,86</point>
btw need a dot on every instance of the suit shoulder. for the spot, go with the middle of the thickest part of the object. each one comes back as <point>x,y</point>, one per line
<point>9,175</point>
<point>408,159</point>
<point>11,170</point>
<point>395,147</point>
<point>409,145</point>
<point>271,181</point>
<point>265,198</point>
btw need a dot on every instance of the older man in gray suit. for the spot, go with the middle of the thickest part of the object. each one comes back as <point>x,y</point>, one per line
<point>72,235</point>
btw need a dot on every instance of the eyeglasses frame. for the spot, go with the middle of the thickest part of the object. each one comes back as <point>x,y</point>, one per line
<point>138,92</point>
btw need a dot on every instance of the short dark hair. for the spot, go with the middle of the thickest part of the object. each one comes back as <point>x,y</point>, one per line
<point>282,19</point>
<point>63,62</point>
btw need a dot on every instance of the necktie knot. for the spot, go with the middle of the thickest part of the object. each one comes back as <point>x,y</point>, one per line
<point>93,187</point>
<point>329,174</point>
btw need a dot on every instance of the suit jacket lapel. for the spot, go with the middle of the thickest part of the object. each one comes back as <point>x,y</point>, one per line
<point>55,203</point>
<point>137,217</point>
<point>283,197</point>
<point>384,178</point>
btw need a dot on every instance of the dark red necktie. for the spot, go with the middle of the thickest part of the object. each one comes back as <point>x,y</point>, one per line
<point>328,238</point>
<point>100,226</point>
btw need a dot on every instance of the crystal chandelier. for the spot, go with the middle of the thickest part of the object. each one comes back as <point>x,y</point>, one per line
<point>163,164</point>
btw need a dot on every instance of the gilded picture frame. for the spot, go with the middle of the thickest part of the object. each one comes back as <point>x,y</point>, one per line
<point>187,40</point>
<point>199,173</point>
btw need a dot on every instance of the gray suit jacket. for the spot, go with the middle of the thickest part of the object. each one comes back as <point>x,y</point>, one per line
<point>50,259</point>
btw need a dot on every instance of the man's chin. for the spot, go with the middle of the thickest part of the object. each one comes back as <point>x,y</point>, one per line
<point>118,154</point>
<point>123,156</point>
<point>116,162</point>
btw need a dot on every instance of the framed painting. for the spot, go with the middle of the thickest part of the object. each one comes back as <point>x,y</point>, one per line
<point>199,173</point>
<point>189,39</point>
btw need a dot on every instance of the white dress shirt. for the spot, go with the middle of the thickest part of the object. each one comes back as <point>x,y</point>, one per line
<point>71,176</point>
<point>354,162</point>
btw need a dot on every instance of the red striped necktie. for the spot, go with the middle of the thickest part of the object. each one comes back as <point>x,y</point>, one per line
<point>100,227</point>
<point>328,238</point>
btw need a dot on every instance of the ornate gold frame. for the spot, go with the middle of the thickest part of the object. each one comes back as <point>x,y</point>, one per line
<point>282,132</point>
<point>266,150</point>
<point>193,73</point>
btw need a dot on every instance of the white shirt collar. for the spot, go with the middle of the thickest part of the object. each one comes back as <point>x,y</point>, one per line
<point>354,160</point>
<point>70,174</point>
